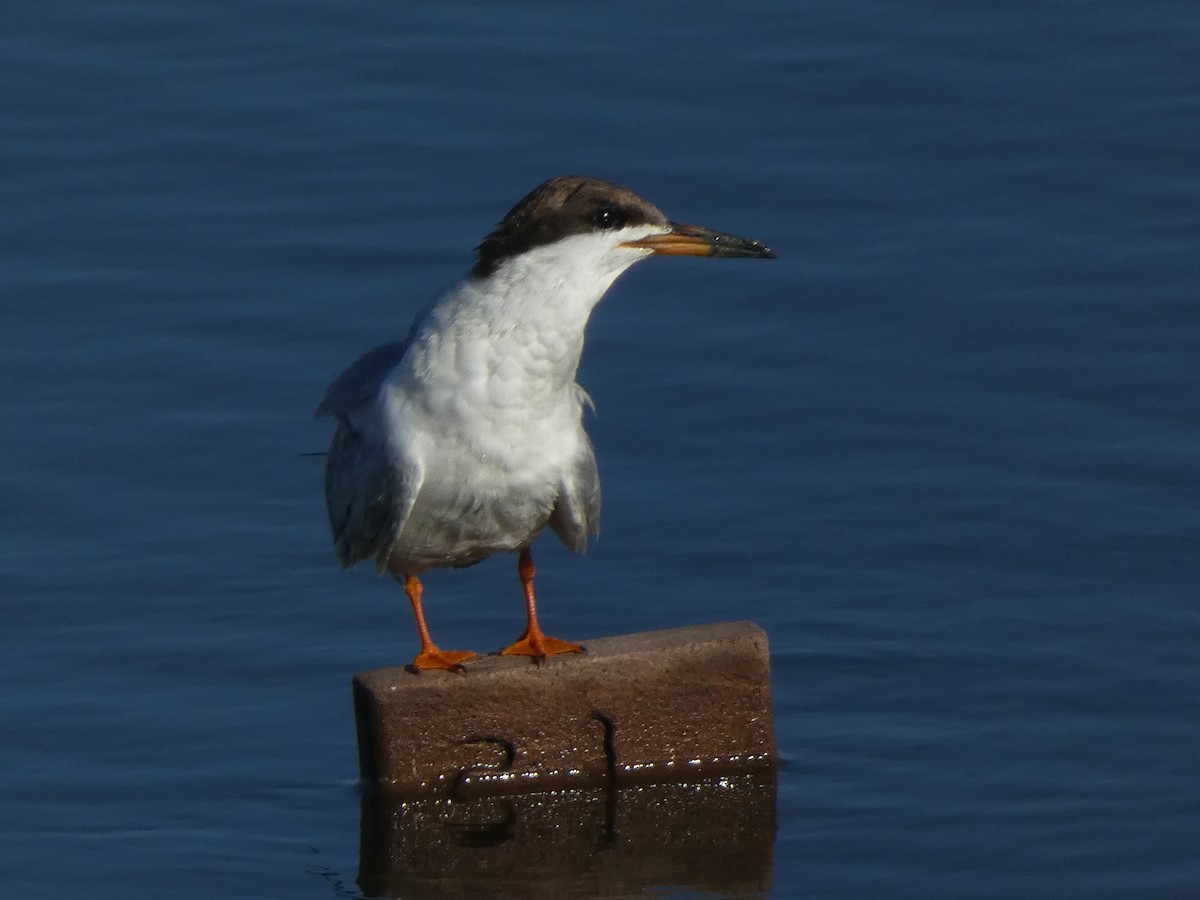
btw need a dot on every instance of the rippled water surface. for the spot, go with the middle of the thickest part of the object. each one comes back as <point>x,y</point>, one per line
<point>945,449</point>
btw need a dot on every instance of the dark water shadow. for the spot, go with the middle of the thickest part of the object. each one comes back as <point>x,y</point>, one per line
<point>715,836</point>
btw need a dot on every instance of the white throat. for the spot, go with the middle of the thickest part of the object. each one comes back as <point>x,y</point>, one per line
<point>534,307</point>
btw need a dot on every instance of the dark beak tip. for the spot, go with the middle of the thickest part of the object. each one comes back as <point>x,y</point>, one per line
<point>753,250</point>
<point>732,246</point>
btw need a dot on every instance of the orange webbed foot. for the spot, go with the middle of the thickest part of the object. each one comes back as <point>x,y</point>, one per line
<point>446,660</point>
<point>539,646</point>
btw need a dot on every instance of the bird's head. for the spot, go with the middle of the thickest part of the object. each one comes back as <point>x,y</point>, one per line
<point>604,222</point>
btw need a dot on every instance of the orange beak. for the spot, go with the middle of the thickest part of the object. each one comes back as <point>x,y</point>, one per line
<point>692,240</point>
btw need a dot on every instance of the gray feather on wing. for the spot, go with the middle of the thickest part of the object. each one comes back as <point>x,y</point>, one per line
<point>358,385</point>
<point>576,513</point>
<point>368,492</point>
<point>368,496</point>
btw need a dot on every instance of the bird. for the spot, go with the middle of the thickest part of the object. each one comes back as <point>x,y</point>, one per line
<point>466,438</point>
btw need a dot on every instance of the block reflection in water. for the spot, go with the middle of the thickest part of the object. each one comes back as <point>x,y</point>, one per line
<point>715,836</point>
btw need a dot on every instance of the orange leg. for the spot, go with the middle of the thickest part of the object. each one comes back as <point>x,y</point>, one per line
<point>430,656</point>
<point>534,642</point>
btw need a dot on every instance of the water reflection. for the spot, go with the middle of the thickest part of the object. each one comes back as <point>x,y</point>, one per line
<point>715,836</point>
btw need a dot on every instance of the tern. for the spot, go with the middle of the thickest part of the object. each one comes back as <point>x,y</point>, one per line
<point>466,439</point>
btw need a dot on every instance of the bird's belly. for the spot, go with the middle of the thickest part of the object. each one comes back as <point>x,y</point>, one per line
<point>473,503</point>
<point>452,525</point>
<point>493,446</point>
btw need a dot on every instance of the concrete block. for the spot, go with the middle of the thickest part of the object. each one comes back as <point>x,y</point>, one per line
<point>657,707</point>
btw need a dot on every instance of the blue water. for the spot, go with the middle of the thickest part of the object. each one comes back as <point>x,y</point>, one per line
<point>946,449</point>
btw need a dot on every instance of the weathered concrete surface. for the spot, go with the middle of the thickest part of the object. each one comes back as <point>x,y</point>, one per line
<point>656,707</point>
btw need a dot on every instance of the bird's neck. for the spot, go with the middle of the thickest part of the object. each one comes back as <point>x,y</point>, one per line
<point>527,318</point>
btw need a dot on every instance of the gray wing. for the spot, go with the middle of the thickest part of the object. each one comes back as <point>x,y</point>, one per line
<point>358,385</point>
<point>576,513</point>
<point>368,492</point>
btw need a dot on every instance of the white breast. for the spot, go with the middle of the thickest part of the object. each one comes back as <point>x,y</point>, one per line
<point>484,403</point>
<point>493,434</point>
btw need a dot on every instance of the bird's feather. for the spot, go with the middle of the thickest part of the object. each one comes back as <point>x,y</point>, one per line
<point>368,495</point>
<point>576,513</point>
<point>359,384</point>
<point>368,491</point>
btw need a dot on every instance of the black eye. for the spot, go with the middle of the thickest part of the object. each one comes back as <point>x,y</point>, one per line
<point>609,217</point>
